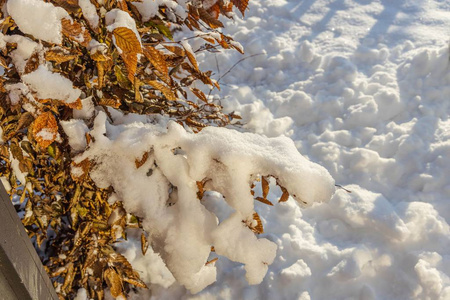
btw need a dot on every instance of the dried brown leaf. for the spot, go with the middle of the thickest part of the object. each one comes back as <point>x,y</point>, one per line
<point>144,244</point>
<point>76,32</point>
<point>264,200</point>
<point>32,63</point>
<point>211,261</point>
<point>126,40</point>
<point>140,162</point>
<point>130,60</point>
<point>45,129</point>
<point>58,56</point>
<point>200,95</point>
<point>80,171</point>
<point>209,19</point>
<point>176,50</point>
<point>167,92</point>
<point>114,282</point>
<point>285,196</point>
<point>241,5</point>
<point>158,61</point>
<point>190,55</point>
<point>265,186</point>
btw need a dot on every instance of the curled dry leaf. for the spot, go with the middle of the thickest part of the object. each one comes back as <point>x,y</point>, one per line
<point>284,196</point>
<point>255,225</point>
<point>200,95</point>
<point>144,243</point>
<point>167,92</point>
<point>59,56</point>
<point>158,61</point>
<point>140,162</point>
<point>45,129</point>
<point>264,200</point>
<point>190,55</point>
<point>211,261</point>
<point>114,282</point>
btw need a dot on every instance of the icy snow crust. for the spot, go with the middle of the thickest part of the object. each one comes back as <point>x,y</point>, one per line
<point>164,191</point>
<point>362,88</point>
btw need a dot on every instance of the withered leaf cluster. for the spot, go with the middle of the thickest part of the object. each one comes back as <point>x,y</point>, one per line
<point>69,219</point>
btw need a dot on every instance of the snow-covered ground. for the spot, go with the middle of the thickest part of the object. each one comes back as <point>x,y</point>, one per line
<point>362,88</point>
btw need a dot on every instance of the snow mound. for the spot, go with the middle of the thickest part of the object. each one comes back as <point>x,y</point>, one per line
<point>162,189</point>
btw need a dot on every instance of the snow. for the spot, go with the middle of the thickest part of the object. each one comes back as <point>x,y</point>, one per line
<point>25,48</point>
<point>360,87</point>
<point>51,85</point>
<point>89,12</point>
<point>164,191</point>
<point>38,18</point>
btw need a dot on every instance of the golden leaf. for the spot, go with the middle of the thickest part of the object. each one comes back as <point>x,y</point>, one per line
<point>136,282</point>
<point>241,5</point>
<point>7,23</point>
<point>215,10</point>
<point>284,196</point>
<point>32,63</point>
<point>265,186</point>
<point>137,94</point>
<point>80,171</point>
<point>199,94</point>
<point>114,282</point>
<point>45,129</point>
<point>114,103</point>
<point>191,58</point>
<point>58,56</point>
<point>74,105</point>
<point>195,123</point>
<point>69,5</point>
<point>25,120</point>
<point>144,244</point>
<point>176,50</point>
<point>100,74</point>
<point>167,92</point>
<point>264,200</point>
<point>126,40</point>
<point>68,279</point>
<point>75,32</point>
<point>258,228</point>
<point>139,163</point>
<point>212,261</point>
<point>201,190</point>
<point>209,19</point>
<point>158,61</point>
<point>130,60</point>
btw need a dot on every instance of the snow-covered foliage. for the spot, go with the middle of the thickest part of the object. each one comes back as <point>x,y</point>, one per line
<point>101,133</point>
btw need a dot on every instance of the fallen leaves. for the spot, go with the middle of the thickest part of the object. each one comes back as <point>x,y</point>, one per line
<point>45,129</point>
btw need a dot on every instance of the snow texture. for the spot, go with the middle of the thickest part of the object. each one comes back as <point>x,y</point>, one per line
<point>38,18</point>
<point>51,85</point>
<point>163,191</point>
<point>89,12</point>
<point>362,88</point>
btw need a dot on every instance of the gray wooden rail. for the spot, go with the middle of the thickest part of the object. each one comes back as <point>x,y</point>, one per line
<point>22,275</point>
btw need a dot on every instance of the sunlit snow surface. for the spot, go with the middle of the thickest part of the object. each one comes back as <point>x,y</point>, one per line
<point>363,88</point>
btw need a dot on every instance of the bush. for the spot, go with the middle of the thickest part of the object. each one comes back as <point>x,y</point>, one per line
<point>77,76</point>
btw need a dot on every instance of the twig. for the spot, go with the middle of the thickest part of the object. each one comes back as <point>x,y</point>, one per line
<point>238,62</point>
<point>341,187</point>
